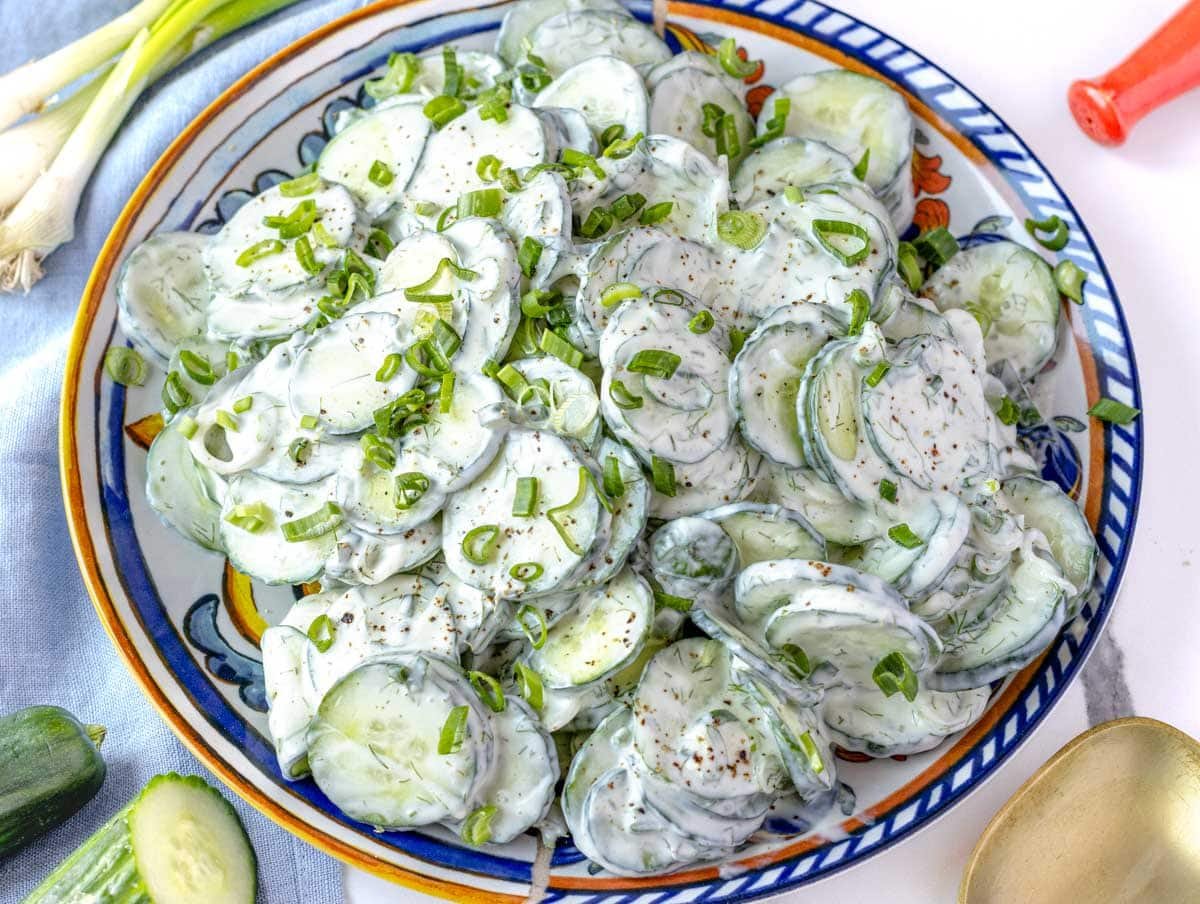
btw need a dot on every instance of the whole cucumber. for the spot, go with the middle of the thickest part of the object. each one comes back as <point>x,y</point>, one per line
<point>50,766</point>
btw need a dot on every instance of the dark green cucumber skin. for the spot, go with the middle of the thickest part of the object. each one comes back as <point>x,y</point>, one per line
<point>49,768</point>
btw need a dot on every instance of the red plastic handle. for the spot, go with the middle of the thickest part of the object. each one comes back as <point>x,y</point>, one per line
<point>1165,66</point>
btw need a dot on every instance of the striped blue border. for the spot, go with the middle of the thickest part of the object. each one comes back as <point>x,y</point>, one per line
<point>1117,374</point>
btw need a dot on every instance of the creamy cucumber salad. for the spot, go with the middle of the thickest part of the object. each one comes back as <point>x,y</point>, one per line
<point>639,462</point>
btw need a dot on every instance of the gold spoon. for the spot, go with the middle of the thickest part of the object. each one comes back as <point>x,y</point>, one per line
<point>1113,817</point>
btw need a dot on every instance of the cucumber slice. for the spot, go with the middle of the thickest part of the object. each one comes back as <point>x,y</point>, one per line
<point>284,650</point>
<point>606,90</point>
<point>602,751</point>
<point>929,419</point>
<point>861,718</point>
<point>322,457</point>
<point>334,379</point>
<point>393,135</point>
<point>855,114</point>
<point>802,745</point>
<point>163,292</point>
<point>485,249</point>
<point>568,405</point>
<point>488,502</point>
<point>447,167</point>
<point>248,317</point>
<point>523,18</point>
<point>682,418</point>
<point>266,554</point>
<point>628,515</point>
<point>360,558</point>
<point>726,476</point>
<point>373,746</point>
<point>480,72</point>
<point>765,378</point>
<point>566,128</point>
<point>226,442</point>
<point>692,557</point>
<point>465,439</point>
<point>368,495</point>
<point>677,101</point>
<point>568,38</point>
<point>478,617</point>
<point>602,633</point>
<point>178,491</point>
<point>764,587</point>
<point>1021,626</point>
<point>764,532</point>
<point>542,211</point>
<point>1045,507</point>
<point>836,518</point>
<point>1014,289</point>
<point>280,271</point>
<point>785,162</point>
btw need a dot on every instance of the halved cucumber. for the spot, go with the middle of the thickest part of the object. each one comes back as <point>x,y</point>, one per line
<point>1045,507</point>
<point>603,632</point>
<point>765,378</point>
<point>393,135</point>
<point>568,38</point>
<point>726,476</point>
<point>1014,292</point>
<point>374,745</point>
<point>677,108</point>
<point>863,719</point>
<point>284,651</point>
<point>785,162</point>
<point>857,114</point>
<point>764,532</point>
<point>163,293</point>
<point>605,89</point>
<point>178,489</point>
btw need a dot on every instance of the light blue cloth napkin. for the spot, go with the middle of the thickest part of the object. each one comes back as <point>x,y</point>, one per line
<point>53,648</point>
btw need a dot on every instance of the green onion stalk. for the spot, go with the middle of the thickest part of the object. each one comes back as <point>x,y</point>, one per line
<point>53,154</point>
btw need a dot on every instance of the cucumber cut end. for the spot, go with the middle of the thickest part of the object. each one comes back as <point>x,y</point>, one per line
<point>190,845</point>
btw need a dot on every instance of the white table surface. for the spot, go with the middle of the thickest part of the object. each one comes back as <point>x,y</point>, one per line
<point>1140,203</point>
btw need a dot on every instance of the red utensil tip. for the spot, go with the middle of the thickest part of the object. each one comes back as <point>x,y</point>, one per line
<point>1163,67</point>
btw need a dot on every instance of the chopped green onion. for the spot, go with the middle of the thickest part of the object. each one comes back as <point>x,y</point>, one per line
<point>796,660</point>
<point>300,450</point>
<point>529,255</point>
<point>611,133</point>
<point>389,368</point>
<point>533,626</point>
<point>713,114</point>
<point>598,221</point>
<point>304,254</point>
<point>452,73</point>
<point>509,180</point>
<point>493,104</point>
<point>327,240</point>
<point>321,631</point>
<point>409,488</point>
<point>300,186</point>
<point>741,228</point>
<point>477,828</point>
<point>903,535</point>
<point>488,167</point>
<point>729,143</point>
<point>731,62</point>
<point>379,244</point>
<point>1059,232</point>
<point>454,731</point>
<point>656,213</point>
<point>309,422</point>
<point>618,150</point>
<point>701,323</point>
<point>662,475</point>
<point>937,246</point>
<point>527,572</point>
<point>655,362</point>
<point>402,69</point>
<point>446,338</point>
<point>445,218</point>
<point>617,293</point>
<point>425,208</point>
<point>483,202</point>
<point>296,223</point>
<point>540,302</point>
<point>530,684</point>
<point>480,543</point>
<point>188,426</point>
<point>737,338</point>
<point>1008,412</point>
<point>627,205</point>
<point>197,366</point>
<point>446,393</point>
<point>860,310</point>
<point>533,77</point>
<point>894,675</point>
<point>875,377</point>
<point>622,397</point>
<point>860,168</point>
<point>580,161</point>
<point>489,690</point>
<point>381,174</point>
<point>174,394</point>
<point>251,517</point>
<point>614,485</point>
<point>824,232</point>
<point>1069,278</point>
<point>1114,412</point>
<point>258,251</point>
<point>422,291</point>
<point>325,519</point>
<point>231,361</point>
<point>512,380</point>
<point>776,125</point>
<point>812,753</point>
<point>887,490</point>
<point>378,451</point>
<point>793,195</point>
<point>525,498</point>
<point>909,266</point>
<point>560,516</point>
<point>664,600</point>
<point>226,421</point>
<point>244,404</point>
<point>668,296</point>
<point>442,110</point>
<point>553,344</point>
<point>427,359</point>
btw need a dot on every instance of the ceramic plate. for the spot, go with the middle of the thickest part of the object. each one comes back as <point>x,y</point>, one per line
<point>188,625</point>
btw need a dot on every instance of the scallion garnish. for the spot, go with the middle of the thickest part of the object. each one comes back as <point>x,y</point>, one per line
<point>937,246</point>
<point>424,291</point>
<point>729,143</point>
<point>488,168</point>
<point>613,483</point>
<point>529,255</point>
<point>737,338</point>
<point>244,404</point>
<point>1059,232</point>
<point>251,517</point>
<point>656,213</point>
<point>483,202</point>
<point>860,168</point>
<point>832,235</point>
<point>776,125</point>
<point>894,675</point>
<point>409,488</point>
<point>662,475</point>
<point>402,69</point>
<point>321,631</point>
<point>664,600</point>
<point>446,393</point>
<point>258,251</point>
<point>528,572</point>
<point>509,180</point>
<point>793,195</point>
<point>1007,411</point>
<point>701,323</point>
<point>618,292</point>
<point>622,397</point>
<point>611,133</point>
<point>598,221</point>
<point>231,361</point>
<point>188,426</point>
<point>454,731</point>
<point>732,62</point>
<point>713,114</point>
<point>1069,277</point>
<point>389,368</point>
<point>226,421</point>
<point>512,380</point>
<point>579,161</point>
<point>489,690</point>
<point>308,422</point>
<point>493,104</point>
<point>296,223</point>
<point>477,828</point>
<point>887,490</point>
<point>325,519</point>
<point>540,302</point>
<point>553,344</point>
<point>304,254</point>
<point>627,205</point>
<point>903,535</point>
<point>1114,412</point>
<point>673,297</point>
<point>379,244</point>
<point>796,660</point>
<point>533,626</point>
<point>427,358</point>
<point>860,310</point>
<point>618,150</point>
<point>529,683</point>
<point>875,377</point>
<point>480,542</point>
<point>197,367</point>
<point>445,337</point>
<point>655,362</point>
<point>378,452</point>
<point>174,394</point>
<point>380,174</point>
<point>300,186</point>
<point>442,110</point>
<point>741,228</point>
<point>812,753</point>
<point>525,498</point>
<point>452,73</point>
<point>561,516</point>
<point>300,450</point>
<point>909,266</point>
